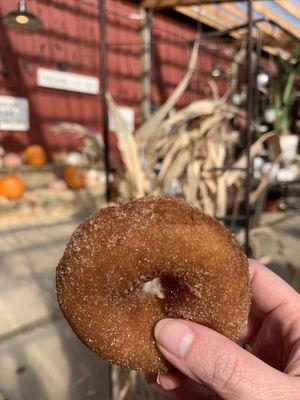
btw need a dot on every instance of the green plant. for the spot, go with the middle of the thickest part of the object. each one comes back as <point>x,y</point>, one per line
<point>283,95</point>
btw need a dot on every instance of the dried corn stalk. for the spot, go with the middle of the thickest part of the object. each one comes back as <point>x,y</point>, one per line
<point>153,123</point>
<point>129,150</point>
<point>185,153</point>
<point>190,189</point>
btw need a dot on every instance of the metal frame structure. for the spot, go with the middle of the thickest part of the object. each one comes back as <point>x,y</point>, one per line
<point>103,80</point>
<point>249,134</point>
<point>105,126</point>
<point>250,98</point>
<point>146,44</point>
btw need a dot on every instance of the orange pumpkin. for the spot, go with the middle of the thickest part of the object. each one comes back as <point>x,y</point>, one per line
<point>11,187</point>
<point>73,177</point>
<point>35,155</point>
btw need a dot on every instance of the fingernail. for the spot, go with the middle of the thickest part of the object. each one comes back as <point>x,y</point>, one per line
<point>173,336</point>
<point>158,379</point>
<point>168,381</point>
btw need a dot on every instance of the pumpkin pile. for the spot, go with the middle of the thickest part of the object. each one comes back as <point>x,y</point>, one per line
<point>73,177</point>
<point>11,187</point>
<point>35,155</point>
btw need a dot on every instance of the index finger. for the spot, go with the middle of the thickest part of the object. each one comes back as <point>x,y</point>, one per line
<point>269,291</point>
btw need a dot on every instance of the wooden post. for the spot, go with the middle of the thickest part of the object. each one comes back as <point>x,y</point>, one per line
<point>146,64</point>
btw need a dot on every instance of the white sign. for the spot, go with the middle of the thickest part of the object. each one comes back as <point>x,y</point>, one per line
<point>128,116</point>
<point>14,113</point>
<point>54,79</point>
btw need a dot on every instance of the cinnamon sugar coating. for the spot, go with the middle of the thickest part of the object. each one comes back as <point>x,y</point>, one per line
<point>203,272</point>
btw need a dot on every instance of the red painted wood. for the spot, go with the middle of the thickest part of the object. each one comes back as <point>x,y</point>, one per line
<point>70,38</point>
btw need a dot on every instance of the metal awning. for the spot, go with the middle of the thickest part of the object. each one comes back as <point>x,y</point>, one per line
<point>278,26</point>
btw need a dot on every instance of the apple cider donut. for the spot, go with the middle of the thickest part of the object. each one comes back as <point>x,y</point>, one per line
<point>202,270</point>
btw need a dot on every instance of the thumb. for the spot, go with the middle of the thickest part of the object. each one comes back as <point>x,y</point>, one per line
<point>212,360</point>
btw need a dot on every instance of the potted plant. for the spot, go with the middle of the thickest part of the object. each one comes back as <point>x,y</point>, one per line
<point>283,99</point>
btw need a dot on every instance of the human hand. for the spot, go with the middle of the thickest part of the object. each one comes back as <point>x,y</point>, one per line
<point>211,367</point>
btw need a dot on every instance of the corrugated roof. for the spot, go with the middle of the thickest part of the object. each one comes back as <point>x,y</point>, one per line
<point>280,32</point>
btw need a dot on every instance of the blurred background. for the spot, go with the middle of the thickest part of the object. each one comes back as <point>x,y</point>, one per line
<point>107,101</point>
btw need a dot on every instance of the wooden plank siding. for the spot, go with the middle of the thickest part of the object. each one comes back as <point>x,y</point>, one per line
<point>70,41</point>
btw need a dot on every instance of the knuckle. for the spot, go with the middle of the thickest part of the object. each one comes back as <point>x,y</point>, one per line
<point>226,371</point>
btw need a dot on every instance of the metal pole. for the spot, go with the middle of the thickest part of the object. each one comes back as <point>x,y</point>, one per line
<point>105,127</point>
<point>103,79</point>
<point>250,79</point>
<point>217,34</point>
<point>208,36</point>
<point>257,97</point>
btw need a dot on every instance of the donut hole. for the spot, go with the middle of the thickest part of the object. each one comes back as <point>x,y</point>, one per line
<point>154,288</point>
<point>175,288</point>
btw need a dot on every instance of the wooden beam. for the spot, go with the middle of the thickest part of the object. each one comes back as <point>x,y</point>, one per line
<point>265,27</point>
<point>216,24</point>
<point>179,3</point>
<point>146,64</point>
<point>276,51</point>
<point>289,7</point>
<point>217,19</point>
<point>211,16</point>
<point>167,3</point>
<point>218,13</point>
<point>205,19</point>
<point>263,9</point>
<point>238,12</point>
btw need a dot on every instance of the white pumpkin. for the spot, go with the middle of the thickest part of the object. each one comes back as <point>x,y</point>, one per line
<point>94,178</point>
<point>74,158</point>
<point>11,160</point>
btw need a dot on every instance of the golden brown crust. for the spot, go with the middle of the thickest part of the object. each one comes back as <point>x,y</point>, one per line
<point>202,269</point>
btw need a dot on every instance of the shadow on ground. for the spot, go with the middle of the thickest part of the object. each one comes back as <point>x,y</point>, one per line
<point>41,358</point>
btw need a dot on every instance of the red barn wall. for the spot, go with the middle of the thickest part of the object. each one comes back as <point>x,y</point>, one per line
<point>70,39</point>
